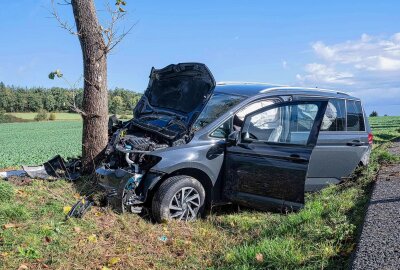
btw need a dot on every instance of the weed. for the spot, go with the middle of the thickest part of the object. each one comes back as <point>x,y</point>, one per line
<point>29,253</point>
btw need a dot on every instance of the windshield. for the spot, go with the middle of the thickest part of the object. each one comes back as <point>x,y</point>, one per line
<point>217,105</point>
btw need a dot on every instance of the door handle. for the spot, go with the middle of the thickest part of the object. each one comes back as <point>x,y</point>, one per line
<point>355,143</point>
<point>297,158</point>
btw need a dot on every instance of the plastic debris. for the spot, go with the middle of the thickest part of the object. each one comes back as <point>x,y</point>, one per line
<point>80,208</point>
<point>52,169</point>
<point>163,238</point>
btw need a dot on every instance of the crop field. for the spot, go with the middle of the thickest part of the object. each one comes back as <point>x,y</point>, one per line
<point>385,127</point>
<point>33,143</point>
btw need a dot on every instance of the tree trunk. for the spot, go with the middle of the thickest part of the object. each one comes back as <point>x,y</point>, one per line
<point>95,93</point>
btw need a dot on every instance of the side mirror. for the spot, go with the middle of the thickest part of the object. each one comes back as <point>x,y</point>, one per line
<point>246,137</point>
<point>233,138</point>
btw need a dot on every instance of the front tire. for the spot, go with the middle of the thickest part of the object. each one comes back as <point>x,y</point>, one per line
<point>179,197</point>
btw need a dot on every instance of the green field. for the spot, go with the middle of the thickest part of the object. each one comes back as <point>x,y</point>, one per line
<point>33,143</point>
<point>385,127</point>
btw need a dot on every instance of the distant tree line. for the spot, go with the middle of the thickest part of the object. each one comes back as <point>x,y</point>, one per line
<point>56,99</point>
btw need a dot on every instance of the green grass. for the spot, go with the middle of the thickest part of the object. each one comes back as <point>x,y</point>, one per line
<point>33,143</point>
<point>320,236</point>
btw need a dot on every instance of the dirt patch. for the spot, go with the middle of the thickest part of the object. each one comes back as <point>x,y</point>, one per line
<point>20,181</point>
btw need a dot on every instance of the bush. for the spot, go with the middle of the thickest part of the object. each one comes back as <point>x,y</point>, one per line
<point>41,116</point>
<point>52,117</point>
<point>373,114</point>
<point>124,116</point>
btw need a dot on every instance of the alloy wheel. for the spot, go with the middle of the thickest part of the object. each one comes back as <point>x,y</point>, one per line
<point>185,204</point>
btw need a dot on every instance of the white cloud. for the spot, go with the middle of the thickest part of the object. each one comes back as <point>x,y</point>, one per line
<point>284,64</point>
<point>322,73</point>
<point>368,67</point>
<point>368,52</point>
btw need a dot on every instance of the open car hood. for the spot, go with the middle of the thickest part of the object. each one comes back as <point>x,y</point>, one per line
<point>177,91</point>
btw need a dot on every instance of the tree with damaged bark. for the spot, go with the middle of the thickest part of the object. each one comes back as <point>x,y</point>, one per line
<point>96,42</point>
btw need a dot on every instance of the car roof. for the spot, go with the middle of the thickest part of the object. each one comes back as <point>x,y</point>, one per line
<point>252,89</point>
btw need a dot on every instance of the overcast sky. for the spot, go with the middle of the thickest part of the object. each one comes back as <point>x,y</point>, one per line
<point>354,47</point>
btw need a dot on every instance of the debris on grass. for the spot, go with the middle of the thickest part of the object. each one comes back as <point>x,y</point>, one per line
<point>163,238</point>
<point>80,208</point>
<point>55,168</point>
<point>11,225</point>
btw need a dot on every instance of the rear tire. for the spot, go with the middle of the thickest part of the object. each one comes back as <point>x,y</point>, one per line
<point>179,197</point>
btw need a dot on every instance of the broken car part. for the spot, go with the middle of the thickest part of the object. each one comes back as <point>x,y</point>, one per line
<point>55,168</point>
<point>80,208</point>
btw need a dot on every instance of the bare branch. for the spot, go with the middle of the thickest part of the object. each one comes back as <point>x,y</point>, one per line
<point>110,33</point>
<point>77,110</point>
<point>63,24</point>
<point>118,39</point>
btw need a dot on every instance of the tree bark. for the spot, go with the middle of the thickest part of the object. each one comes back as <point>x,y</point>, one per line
<point>95,93</point>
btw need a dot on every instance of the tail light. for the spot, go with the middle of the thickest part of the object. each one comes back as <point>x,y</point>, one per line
<point>370,138</point>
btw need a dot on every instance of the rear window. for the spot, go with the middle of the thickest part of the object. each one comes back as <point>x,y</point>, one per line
<point>355,116</point>
<point>335,116</point>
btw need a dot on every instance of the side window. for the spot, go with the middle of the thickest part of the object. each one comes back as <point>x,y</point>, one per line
<point>223,130</point>
<point>335,116</point>
<point>239,117</point>
<point>254,107</point>
<point>355,117</point>
<point>290,124</point>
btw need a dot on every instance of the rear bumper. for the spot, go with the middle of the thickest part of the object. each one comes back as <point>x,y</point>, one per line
<point>365,158</point>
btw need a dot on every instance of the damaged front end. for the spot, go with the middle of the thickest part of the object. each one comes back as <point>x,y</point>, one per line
<point>163,118</point>
<point>128,162</point>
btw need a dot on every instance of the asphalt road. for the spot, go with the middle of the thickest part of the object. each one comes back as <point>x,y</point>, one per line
<point>379,245</point>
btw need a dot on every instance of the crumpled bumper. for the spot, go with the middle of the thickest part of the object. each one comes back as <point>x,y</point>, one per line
<point>111,179</point>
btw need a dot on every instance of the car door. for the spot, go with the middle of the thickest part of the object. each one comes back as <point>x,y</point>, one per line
<point>341,144</point>
<point>268,165</point>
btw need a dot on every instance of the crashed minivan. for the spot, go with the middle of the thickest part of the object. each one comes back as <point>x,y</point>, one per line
<point>193,144</point>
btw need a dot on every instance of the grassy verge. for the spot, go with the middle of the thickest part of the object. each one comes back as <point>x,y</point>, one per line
<point>59,116</point>
<point>34,232</point>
